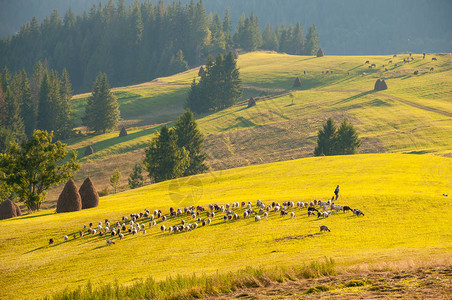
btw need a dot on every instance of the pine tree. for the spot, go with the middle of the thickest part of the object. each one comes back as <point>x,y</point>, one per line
<point>114,179</point>
<point>136,178</point>
<point>312,43</point>
<point>64,118</point>
<point>326,139</point>
<point>28,109</point>
<point>190,138</point>
<point>347,139</point>
<point>46,117</point>
<point>14,122</point>
<point>102,109</point>
<point>298,39</point>
<point>269,39</point>
<point>164,159</point>
<point>177,63</point>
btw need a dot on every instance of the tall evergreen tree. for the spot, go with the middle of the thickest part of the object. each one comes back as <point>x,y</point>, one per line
<point>46,106</point>
<point>347,139</point>
<point>190,138</point>
<point>102,109</point>
<point>14,122</point>
<point>27,106</point>
<point>326,139</point>
<point>312,43</point>
<point>164,159</point>
<point>269,39</point>
<point>136,178</point>
<point>298,39</point>
<point>64,118</point>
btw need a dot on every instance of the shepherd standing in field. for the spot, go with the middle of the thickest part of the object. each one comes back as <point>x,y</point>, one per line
<point>336,192</point>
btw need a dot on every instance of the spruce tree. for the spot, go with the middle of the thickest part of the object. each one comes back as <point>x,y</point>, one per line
<point>102,109</point>
<point>164,159</point>
<point>27,106</point>
<point>269,39</point>
<point>136,178</point>
<point>326,139</point>
<point>46,117</point>
<point>14,122</point>
<point>312,43</point>
<point>347,139</point>
<point>64,118</point>
<point>190,138</point>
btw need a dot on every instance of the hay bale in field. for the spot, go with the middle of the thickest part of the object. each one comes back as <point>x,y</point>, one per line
<point>9,209</point>
<point>380,85</point>
<point>89,150</point>
<point>69,199</point>
<point>201,71</point>
<point>123,132</point>
<point>251,102</point>
<point>297,82</point>
<point>89,195</point>
<point>320,53</point>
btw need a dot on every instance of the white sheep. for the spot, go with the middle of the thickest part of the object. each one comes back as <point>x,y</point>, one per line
<point>265,214</point>
<point>121,236</point>
<point>292,215</point>
<point>208,221</point>
<point>144,231</point>
<point>66,238</point>
<point>162,228</point>
<point>195,225</point>
<point>257,218</point>
<point>110,242</point>
<point>245,214</point>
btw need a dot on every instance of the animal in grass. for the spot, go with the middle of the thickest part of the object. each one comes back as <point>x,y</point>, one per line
<point>358,213</point>
<point>110,242</point>
<point>324,228</point>
<point>336,192</point>
<point>51,241</point>
<point>312,209</point>
<point>346,208</point>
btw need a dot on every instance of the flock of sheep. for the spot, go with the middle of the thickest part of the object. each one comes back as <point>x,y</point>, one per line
<point>200,216</point>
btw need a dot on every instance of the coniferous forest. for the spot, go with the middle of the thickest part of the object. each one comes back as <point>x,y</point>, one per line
<point>142,41</point>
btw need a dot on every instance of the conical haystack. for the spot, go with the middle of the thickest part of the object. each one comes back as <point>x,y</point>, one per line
<point>123,132</point>
<point>89,195</point>
<point>297,82</point>
<point>9,209</point>
<point>320,53</point>
<point>380,85</point>
<point>377,85</point>
<point>69,199</point>
<point>89,150</point>
<point>201,71</point>
<point>251,102</point>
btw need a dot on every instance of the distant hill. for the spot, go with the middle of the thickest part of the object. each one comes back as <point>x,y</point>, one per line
<point>346,27</point>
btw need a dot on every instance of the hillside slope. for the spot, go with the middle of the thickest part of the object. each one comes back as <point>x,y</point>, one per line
<point>406,219</point>
<point>412,116</point>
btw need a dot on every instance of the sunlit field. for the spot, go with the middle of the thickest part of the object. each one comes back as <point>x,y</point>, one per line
<point>407,218</point>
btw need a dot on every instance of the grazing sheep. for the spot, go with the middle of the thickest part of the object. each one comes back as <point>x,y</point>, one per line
<point>311,213</point>
<point>434,58</point>
<point>144,231</point>
<point>245,214</point>
<point>345,208</point>
<point>134,231</point>
<point>324,228</point>
<point>416,72</point>
<point>51,242</point>
<point>366,62</point>
<point>265,214</point>
<point>94,231</point>
<point>163,218</point>
<point>257,218</point>
<point>336,207</point>
<point>212,215</point>
<point>277,208</point>
<point>208,221</point>
<point>390,61</point>
<point>292,215</point>
<point>431,69</point>
<point>386,69</point>
<point>195,225</point>
<point>66,238</point>
<point>269,208</point>
<point>121,236</point>
<point>110,242</point>
<point>81,233</point>
<point>312,209</point>
<point>162,228</point>
<point>170,229</point>
<point>283,212</point>
<point>203,223</point>
<point>84,226</point>
<point>243,204</point>
<point>182,222</point>
<point>236,216</point>
<point>193,216</point>
<point>113,232</point>
<point>225,218</point>
<point>358,213</point>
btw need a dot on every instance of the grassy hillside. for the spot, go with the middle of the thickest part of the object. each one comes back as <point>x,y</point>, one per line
<point>412,116</point>
<point>406,219</point>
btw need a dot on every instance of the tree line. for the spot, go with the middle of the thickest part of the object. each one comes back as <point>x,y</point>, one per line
<point>41,101</point>
<point>141,42</point>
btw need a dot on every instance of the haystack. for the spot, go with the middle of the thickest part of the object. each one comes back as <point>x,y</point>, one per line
<point>380,85</point>
<point>89,195</point>
<point>320,53</point>
<point>201,71</point>
<point>123,132</point>
<point>69,199</point>
<point>9,209</point>
<point>89,150</point>
<point>251,102</point>
<point>297,82</point>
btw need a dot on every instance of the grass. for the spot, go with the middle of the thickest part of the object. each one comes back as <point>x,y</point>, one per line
<point>406,217</point>
<point>410,117</point>
<point>197,286</point>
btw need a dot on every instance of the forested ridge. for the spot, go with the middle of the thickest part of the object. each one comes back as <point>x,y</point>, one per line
<point>350,27</point>
<point>142,41</point>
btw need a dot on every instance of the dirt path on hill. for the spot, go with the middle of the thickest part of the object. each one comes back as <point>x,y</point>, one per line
<point>407,102</point>
<point>417,283</point>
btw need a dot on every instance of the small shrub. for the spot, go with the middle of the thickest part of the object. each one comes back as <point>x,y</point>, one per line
<point>104,192</point>
<point>319,288</point>
<point>353,283</point>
